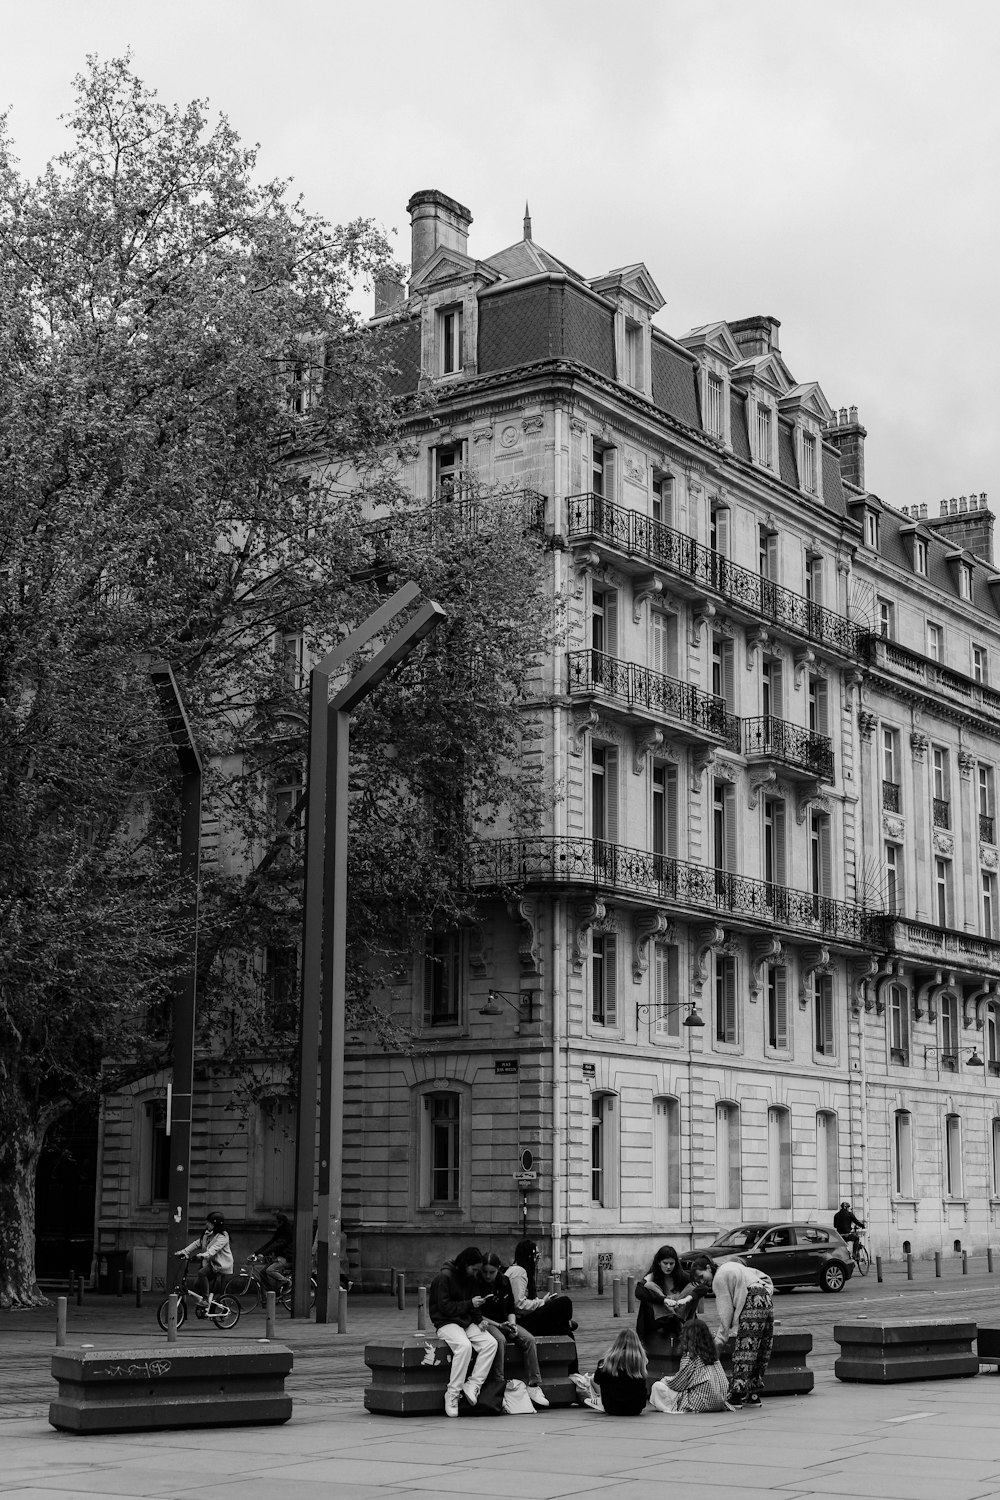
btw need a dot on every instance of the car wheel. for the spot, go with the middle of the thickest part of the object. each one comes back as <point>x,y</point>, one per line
<point>832,1277</point>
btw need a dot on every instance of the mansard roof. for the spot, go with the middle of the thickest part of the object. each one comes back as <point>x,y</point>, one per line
<point>525,258</point>
<point>631,281</point>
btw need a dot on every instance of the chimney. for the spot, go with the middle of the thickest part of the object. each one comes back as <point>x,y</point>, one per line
<point>847,435</point>
<point>388,295</point>
<point>967,522</point>
<point>436,220</point>
<point>755,335</point>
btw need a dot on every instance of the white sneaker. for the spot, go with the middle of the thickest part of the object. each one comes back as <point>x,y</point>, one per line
<point>538,1396</point>
<point>450,1404</point>
<point>470,1391</point>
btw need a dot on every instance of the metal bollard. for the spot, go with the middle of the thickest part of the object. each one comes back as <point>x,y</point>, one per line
<point>600,1279</point>
<point>630,1294</point>
<point>269,1318</point>
<point>616,1298</point>
<point>909,1266</point>
<point>937,1262</point>
<point>120,1288</point>
<point>342,1310</point>
<point>172,1318</point>
<point>61,1305</point>
<point>878,1267</point>
<point>989,1259</point>
<point>421,1309</point>
<point>965,1262</point>
<point>401,1290</point>
<point>138,1291</point>
<point>79,1291</point>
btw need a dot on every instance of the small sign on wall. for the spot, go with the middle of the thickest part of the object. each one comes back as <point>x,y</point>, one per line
<point>590,1070</point>
<point>505,1065</point>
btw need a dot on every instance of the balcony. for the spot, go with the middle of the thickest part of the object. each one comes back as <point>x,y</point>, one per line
<point>634,534</point>
<point>986,828</point>
<point>595,674</point>
<point>941,812</point>
<point>792,746</point>
<point>660,879</point>
<point>898,661</point>
<point>891,796</point>
<point>943,947</point>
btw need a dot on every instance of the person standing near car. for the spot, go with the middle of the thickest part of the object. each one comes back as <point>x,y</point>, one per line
<point>744,1303</point>
<point>844,1222</point>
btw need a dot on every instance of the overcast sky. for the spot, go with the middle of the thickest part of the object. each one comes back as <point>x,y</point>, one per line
<point>833,165</point>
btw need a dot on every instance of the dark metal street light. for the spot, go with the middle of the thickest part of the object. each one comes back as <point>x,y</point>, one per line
<point>693,1017</point>
<point>523,1001</point>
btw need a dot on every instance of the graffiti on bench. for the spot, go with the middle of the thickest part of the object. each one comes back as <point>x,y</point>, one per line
<point>145,1371</point>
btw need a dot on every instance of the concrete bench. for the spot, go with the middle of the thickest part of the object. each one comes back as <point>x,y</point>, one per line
<point>884,1353</point>
<point>173,1385</point>
<point>988,1347</point>
<point>787,1373</point>
<point>410,1373</point>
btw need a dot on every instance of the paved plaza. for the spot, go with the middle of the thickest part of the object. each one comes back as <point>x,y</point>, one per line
<point>934,1440</point>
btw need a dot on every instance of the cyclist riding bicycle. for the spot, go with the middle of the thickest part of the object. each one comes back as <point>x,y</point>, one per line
<point>213,1254</point>
<point>844,1222</point>
<point>278,1253</point>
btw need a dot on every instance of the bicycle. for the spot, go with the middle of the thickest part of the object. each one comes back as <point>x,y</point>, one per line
<point>223,1311</point>
<point>250,1288</point>
<point>860,1256</point>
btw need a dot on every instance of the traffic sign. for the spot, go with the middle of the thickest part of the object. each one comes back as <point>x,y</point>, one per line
<point>526,1179</point>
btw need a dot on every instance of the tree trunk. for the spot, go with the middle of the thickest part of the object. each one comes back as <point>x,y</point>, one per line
<point>18,1168</point>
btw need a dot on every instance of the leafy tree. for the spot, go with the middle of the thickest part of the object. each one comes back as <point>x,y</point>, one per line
<point>195,432</point>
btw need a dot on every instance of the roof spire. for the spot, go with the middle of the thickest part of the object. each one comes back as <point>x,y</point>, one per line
<point>527,221</point>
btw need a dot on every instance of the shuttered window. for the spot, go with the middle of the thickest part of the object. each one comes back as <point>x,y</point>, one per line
<point>604,979</point>
<point>728,1174</point>
<point>779,1157</point>
<point>903,1152</point>
<point>664,809</point>
<point>667,1010</point>
<point>777,1007</point>
<point>823,1010</point>
<point>666,1153</point>
<point>726,1017</point>
<point>774,841</point>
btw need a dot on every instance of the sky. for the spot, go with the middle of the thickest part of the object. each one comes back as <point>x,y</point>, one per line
<point>834,165</point>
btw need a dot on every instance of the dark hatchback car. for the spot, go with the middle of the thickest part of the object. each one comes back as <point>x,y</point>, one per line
<point>791,1254</point>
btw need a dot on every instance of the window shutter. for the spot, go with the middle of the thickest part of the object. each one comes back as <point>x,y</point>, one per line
<point>827,1015</point>
<point>825,858</point>
<point>658,632</point>
<point>722,531</point>
<point>772,556</point>
<point>668,1022</point>
<point>611,622</point>
<point>610,473</point>
<point>670,810</point>
<point>822,715</point>
<point>778,825</point>
<point>735,1151</point>
<point>781,1006</point>
<point>729,834</point>
<point>611,795</point>
<point>776,703</point>
<point>610,980</point>
<point>728,681</point>
<point>729,999</point>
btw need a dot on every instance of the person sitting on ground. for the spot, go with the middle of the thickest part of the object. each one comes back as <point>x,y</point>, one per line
<point>550,1314</point>
<point>214,1255</point>
<point>455,1305</point>
<point>844,1222</point>
<point>278,1254</point>
<point>501,1320</point>
<point>666,1298</point>
<point>743,1301</point>
<point>700,1384</point>
<point>618,1385</point>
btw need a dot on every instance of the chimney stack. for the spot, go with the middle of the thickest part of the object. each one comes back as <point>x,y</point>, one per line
<point>847,435</point>
<point>436,220</point>
<point>967,521</point>
<point>388,295</point>
<point>757,335</point>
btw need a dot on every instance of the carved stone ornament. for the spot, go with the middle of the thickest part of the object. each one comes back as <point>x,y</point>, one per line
<point>702,614</point>
<point>966,762</point>
<point>586,913</point>
<point>646,925</point>
<point>634,466</point>
<point>805,660</point>
<point>644,589</point>
<point>705,941</point>
<point>524,912</point>
<point>587,560</point>
<point>918,745</point>
<point>922,1000</point>
<point>583,719</point>
<point>763,953</point>
<point>758,780</point>
<point>859,973</point>
<point>726,771</point>
<point>577,424</point>
<point>757,640</point>
<point>702,760</point>
<point>509,436</point>
<point>811,961</point>
<point>892,827</point>
<point>533,420</point>
<point>853,678</point>
<point>866,723</point>
<point>811,797</point>
<point>645,744</point>
<point>482,434</point>
<point>987,857</point>
<point>944,844</point>
<point>480,951</point>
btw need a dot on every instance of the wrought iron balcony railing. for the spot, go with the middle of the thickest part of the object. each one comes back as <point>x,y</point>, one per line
<point>545,860</point>
<point>790,744</point>
<point>890,796</point>
<point>595,671</point>
<point>941,815</point>
<point>631,532</point>
<point>986,828</point>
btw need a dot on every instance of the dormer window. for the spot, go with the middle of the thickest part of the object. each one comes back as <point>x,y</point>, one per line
<point>920,556</point>
<point>871,528</point>
<point>715,390</point>
<point>635,363</point>
<point>450,340</point>
<point>964,581</point>
<point>764,431</point>
<point>810,466</point>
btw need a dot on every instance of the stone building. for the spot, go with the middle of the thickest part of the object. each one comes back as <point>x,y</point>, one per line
<point>742,970</point>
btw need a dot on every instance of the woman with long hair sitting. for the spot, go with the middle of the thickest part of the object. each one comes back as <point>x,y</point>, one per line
<point>666,1299</point>
<point>501,1320</point>
<point>550,1314</point>
<point>701,1383</point>
<point>618,1385</point>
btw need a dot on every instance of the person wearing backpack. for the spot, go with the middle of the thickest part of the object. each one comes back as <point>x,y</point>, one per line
<point>455,1304</point>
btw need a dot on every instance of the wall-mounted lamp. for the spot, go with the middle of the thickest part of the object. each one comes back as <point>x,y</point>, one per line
<point>975,1061</point>
<point>693,1017</point>
<point>523,1001</point>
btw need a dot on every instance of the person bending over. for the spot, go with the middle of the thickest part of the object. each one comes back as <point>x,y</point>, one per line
<point>743,1301</point>
<point>455,1305</point>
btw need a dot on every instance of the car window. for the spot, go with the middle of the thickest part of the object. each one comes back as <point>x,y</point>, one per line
<point>813,1236</point>
<point>777,1239</point>
<point>740,1239</point>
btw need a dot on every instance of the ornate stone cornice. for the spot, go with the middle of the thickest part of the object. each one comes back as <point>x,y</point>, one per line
<point>646,925</point>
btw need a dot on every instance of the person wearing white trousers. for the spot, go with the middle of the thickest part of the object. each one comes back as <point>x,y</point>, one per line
<point>454,1306</point>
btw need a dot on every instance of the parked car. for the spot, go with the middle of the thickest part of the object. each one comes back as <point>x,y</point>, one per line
<point>791,1254</point>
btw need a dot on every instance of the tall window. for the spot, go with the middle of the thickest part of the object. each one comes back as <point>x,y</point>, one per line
<point>991,1027</point>
<point>663,500</point>
<point>447,469</point>
<point>287,791</point>
<point>604,622</point>
<point>871,528</point>
<point>663,642</point>
<point>634,361</point>
<point>289,648</point>
<point>950,1036</point>
<point>826,1037</point>
<point>770,685</point>
<point>827,1160</point>
<point>920,555</point>
<point>941,807</point>
<point>779,1157</point>
<point>718,530</point>
<point>728,1173</point>
<point>935,641</point>
<point>777,1007</point>
<point>274,1154</point>
<point>442,979</point>
<point>980,664</point>
<point>666,1153</point>
<point>768,553</point>
<point>714,412</point>
<point>664,810</point>
<point>601,1119</point>
<point>903,1153</point>
<point>942,891</point>
<point>893,878</point>
<point>984,786</point>
<point>442,1116</point>
<point>765,424</point>
<point>726,1016</point>
<point>604,978</point>
<point>990,926</point>
<point>602,470</point>
<point>604,792</point>
<point>954,1180</point>
<point>819,719</point>
<point>964,581</point>
<point>774,841</point>
<point>723,685</point>
<point>809,468</point>
<point>724,825</point>
<point>820,855</point>
<point>281,986</point>
<point>995,1158</point>
<point>450,326</point>
<point>814,578</point>
<point>667,1011</point>
<point>154,1153</point>
<point>899,1023</point>
<point>886,619</point>
<point>890,770</point>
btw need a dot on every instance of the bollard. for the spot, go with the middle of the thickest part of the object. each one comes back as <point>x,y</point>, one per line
<point>401,1290</point>
<point>172,1318</point>
<point>138,1291</point>
<point>269,1318</point>
<point>616,1298</point>
<point>61,1305</point>
<point>878,1268</point>
<point>71,1284</point>
<point>630,1294</point>
<point>600,1279</point>
<point>989,1259</point>
<point>342,1310</point>
<point>79,1291</point>
<point>392,1281</point>
<point>120,1288</point>
<point>421,1309</point>
<point>965,1262</point>
<point>909,1266</point>
<point>937,1262</point>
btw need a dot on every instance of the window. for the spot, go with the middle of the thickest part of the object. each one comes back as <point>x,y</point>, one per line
<point>954,1181</point>
<point>989,904</point>
<point>604,795</point>
<point>941,780</point>
<point>950,1036</point>
<point>728,1173</point>
<point>604,623</point>
<point>604,978</point>
<point>442,979</point>
<point>664,812</point>
<point>903,1153</point>
<point>871,528</point>
<point>899,1023</point>
<point>442,1141</point>
<point>635,364</point>
<point>602,1111</point>
<point>714,405</point>
<point>281,987</point>
<point>920,556</point>
<point>450,325</point>
<point>602,470</point>
<point>991,1028</point>
<point>984,787</point>
<point>770,688</point>
<point>767,553</point>
<point>663,501</point>
<point>935,641</point>
<point>667,1011</point>
<point>723,684</point>
<point>777,1007</point>
<point>964,581</point>
<point>274,1154</point>
<point>779,1158</point>
<point>724,825</point>
<point>809,469</point>
<point>890,770</point>
<point>827,1160</point>
<point>666,1153</point>
<point>887,619</point>
<point>718,530</point>
<point>726,1018</point>
<point>820,855</point>
<point>995,1159</point>
<point>819,718</point>
<point>154,1153</point>
<point>814,578</point>
<point>826,1041</point>
<point>980,665</point>
<point>893,878</point>
<point>289,648</point>
<point>663,642</point>
<point>764,427</point>
<point>774,841</point>
<point>447,469</point>
<point>288,816</point>
<point>942,891</point>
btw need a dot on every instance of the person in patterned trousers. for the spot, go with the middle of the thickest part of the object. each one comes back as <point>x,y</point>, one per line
<point>744,1303</point>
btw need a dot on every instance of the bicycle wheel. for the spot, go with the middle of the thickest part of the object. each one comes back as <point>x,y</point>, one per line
<point>247,1290</point>
<point>864,1260</point>
<point>164,1308</point>
<point>229,1317</point>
